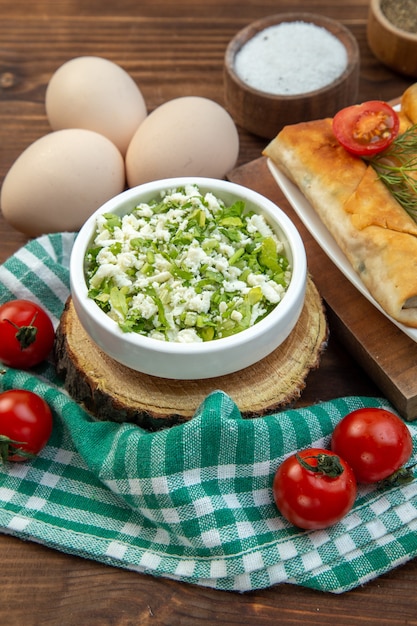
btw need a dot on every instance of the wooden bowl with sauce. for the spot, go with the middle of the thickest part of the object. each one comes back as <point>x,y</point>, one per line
<point>389,36</point>
<point>289,68</point>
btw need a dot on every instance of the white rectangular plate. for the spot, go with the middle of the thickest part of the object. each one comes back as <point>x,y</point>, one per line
<point>326,241</point>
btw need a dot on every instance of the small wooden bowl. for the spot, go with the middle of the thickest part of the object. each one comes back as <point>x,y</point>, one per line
<point>395,48</point>
<point>264,114</point>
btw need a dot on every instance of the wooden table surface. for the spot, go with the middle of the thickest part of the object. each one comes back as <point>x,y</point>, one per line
<point>171,48</point>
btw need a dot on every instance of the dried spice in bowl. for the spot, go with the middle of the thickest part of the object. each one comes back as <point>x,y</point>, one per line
<point>401,13</point>
<point>392,34</point>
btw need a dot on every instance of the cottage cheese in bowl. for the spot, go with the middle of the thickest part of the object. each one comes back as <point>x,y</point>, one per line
<point>188,278</point>
<point>186,267</point>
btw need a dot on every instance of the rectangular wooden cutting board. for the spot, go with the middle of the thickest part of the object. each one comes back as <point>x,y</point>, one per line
<point>382,349</point>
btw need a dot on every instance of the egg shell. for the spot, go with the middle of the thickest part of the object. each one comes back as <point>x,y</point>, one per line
<point>59,180</point>
<point>187,136</point>
<point>96,94</point>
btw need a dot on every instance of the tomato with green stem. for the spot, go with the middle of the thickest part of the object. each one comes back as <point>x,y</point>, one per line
<point>26,334</point>
<point>25,424</point>
<point>314,488</point>
<point>366,129</point>
<point>376,443</point>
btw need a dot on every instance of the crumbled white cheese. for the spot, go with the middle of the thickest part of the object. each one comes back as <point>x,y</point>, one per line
<point>236,316</point>
<point>173,271</point>
<point>257,223</point>
<point>145,305</point>
<point>235,285</point>
<point>200,302</point>
<point>195,256</point>
<point>272,291</point>
<point>188,335</point>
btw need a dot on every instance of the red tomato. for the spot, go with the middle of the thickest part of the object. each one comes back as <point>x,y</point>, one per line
<point>26,334</point>
<point>366,129</point>
<point>314,488</point>
<point>25,424</point>
<point>375,442</point>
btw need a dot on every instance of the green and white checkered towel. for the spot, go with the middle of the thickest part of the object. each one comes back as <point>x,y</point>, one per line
<point>194,502</point>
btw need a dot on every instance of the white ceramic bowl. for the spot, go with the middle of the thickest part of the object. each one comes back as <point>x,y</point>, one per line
<point>192,360</point>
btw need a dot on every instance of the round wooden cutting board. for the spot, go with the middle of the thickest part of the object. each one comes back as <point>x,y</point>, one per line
<point>111,391</point>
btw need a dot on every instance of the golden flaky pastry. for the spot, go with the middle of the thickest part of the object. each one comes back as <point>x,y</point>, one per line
<point>375,233</point>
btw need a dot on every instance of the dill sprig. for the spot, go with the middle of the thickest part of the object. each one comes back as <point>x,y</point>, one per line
<point>397,169</point>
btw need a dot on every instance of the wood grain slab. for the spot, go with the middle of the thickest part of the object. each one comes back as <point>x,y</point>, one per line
<point>111,391</point>
<point>382,349</point>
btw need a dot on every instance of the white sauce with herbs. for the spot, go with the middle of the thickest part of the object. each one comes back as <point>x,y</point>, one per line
<point>291,58</point>
<point>186,268</point>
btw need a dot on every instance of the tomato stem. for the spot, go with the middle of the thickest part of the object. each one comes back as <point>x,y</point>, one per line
<point>26,335</point>
<point>402,476</point>
<point>327,464</point>
<point>9,447</point>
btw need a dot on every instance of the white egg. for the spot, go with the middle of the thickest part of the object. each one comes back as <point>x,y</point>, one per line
<point>96,94</point>
<point>60,180</point>
<point>188,136</point>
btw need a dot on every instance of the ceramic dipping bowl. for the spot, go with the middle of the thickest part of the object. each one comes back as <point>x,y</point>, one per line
<point>201,359</point>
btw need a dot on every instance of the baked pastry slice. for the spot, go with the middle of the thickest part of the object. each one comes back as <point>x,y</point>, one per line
<point>375,233</point>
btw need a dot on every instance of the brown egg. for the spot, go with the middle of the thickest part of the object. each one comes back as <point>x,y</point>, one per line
<point>59,180</point>
<point>188,136</point>
<point>96,94</point>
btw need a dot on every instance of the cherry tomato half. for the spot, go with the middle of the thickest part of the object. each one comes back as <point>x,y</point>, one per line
<point>366,129</point>
<point>25,424</point>
<point>314,488</point>
<point>26,334</point>
<point>375,442</point>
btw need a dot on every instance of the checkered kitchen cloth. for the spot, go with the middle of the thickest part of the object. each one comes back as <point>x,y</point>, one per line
<point>194,502</point>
